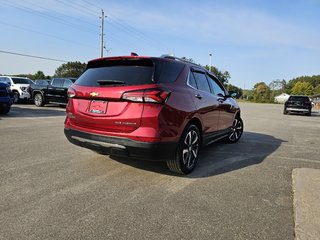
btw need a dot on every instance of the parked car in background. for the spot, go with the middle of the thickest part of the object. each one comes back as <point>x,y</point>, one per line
<point>6,98</point>
<point>19,87</point>
<point>38,82</point>
<point>42,82</point>
<point>298,104</point>
<point>54,91</point>
<point>150,108</point>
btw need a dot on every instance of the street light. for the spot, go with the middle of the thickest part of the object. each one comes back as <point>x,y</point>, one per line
<point>210,57</point>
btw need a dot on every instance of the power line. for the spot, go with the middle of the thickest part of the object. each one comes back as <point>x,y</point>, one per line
<point>75,7</point>
<point>32,56</point>
<point>44,34</point>
<point>65,15</point>
<point>52,18</point>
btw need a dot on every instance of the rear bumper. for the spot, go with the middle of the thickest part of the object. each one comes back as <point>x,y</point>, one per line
<point>293,109</point>
<point>116,146</point>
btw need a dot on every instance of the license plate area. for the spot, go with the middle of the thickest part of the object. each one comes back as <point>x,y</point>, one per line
<point>98,107</point>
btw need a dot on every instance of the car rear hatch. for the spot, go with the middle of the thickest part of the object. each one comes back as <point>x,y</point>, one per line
<point>298,102</point>
<point>110,94</point>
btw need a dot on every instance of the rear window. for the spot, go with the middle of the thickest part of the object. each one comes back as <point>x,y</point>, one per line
<point>299,98</point>
<point>129,72</point>
<point>20,81</point>
<point>117,72</point>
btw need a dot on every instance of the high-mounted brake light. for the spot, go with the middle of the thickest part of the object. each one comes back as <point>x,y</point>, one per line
<point>147,96</point>
<point>71,92</point>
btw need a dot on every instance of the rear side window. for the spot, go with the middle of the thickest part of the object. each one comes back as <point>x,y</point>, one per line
<point>167,71</point>
<point>202,81</point>
<point>117,73</point>
<point>20,81</point>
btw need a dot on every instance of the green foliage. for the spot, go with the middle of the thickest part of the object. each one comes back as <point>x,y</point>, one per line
<point>316,90</point>
<point>231,87</point>
<point>262,93</point>
<point>302,88</point>
<point>188,59</point>
<point>70,69</point>
<point>223,76</point>
<point>313,80</point>
<point>39,75</point>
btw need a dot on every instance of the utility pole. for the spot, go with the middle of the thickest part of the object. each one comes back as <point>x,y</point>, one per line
<point>102,32</point>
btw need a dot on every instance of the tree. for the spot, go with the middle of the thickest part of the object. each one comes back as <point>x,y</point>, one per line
<point>317,89</point>
<point>302,88</point>
<point>313,80</point>
<point>39,75</point>
<point>188,59</point>
<point>231,87</point>
<point>261,93</point>
<point>223,76</point>
<point>70,69</point>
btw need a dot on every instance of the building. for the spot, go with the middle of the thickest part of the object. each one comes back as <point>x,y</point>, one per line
<point>282,98</point>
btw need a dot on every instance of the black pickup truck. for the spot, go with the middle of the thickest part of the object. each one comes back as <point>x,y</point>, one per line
<point>54,92</point>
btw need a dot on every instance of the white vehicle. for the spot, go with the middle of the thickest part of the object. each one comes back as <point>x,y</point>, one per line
<point>19,87</point>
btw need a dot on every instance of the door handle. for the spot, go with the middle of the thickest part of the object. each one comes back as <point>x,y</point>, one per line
<point>198,96</point>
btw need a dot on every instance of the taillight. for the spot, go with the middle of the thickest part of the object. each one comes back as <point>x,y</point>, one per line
<point>71,92</point>
<point>147,96</point>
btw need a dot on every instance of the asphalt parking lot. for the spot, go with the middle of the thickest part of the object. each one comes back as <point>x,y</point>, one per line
<point>51,189</point>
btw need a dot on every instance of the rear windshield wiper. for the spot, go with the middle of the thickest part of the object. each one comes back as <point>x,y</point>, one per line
<point>110,82</point>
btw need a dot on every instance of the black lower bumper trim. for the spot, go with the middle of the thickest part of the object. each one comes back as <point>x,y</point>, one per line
<point>125,147</point>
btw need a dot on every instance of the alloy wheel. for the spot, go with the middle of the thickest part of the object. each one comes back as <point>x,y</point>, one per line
<point>236,130</point>
<point>190,149</point>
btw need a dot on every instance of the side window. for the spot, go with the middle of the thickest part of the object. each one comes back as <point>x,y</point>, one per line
<point>192,81</point>
<point>215,86</point>
<point>57,82</point>
<point>67,83</point>
<point>202,81</point>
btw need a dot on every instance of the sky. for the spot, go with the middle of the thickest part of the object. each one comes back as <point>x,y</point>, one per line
<point>254,40</point>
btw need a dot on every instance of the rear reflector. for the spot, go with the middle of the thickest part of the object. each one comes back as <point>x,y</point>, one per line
<point>147,96</point>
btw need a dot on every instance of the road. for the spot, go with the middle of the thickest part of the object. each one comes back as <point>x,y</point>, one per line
<point>51,189</point>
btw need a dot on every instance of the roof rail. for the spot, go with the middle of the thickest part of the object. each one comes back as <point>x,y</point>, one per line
<point>170,56</point>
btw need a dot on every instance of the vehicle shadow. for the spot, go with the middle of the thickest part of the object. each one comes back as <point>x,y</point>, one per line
<point>219,158</point>
<point>23,110</point>
<point>313,114</point>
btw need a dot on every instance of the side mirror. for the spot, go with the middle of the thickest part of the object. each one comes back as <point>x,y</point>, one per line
<point>233,94</point>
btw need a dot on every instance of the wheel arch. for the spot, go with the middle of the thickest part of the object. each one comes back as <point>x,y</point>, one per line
<point>195,121</point>
<point>34,92</point>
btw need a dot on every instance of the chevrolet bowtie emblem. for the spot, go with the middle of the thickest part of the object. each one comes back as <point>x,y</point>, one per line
<point>94,94</point>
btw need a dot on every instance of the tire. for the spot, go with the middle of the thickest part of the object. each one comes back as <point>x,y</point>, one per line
<point>285,112</point>
<point>16,96</point>
<point>38,100</point>
<point>309,113</point>
<point>5,110</point>
<point>187,151</point>
<point>236,131</point>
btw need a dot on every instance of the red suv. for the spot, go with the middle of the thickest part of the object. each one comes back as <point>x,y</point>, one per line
<point>150,108</point>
